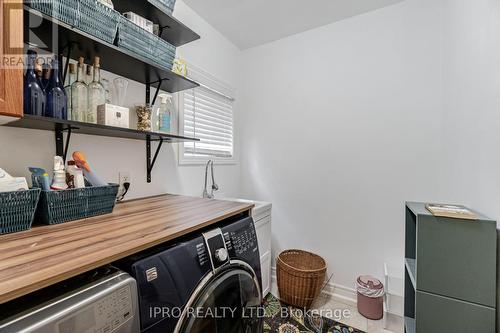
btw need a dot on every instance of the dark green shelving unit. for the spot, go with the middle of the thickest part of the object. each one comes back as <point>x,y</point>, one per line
<point>450,273</point>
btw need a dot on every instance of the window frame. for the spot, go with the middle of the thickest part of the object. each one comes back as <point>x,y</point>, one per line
<point>205,79</point>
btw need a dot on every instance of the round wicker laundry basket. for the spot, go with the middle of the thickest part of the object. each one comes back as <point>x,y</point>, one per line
<point>301,276</point>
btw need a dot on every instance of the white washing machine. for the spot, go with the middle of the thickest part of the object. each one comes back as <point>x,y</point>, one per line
<point>101,301</point>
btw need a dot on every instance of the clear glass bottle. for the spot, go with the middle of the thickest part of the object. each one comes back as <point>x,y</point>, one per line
<point>88,75</point>
<point>34,97</point>
<point>57,101</point>
<point>97,93</point>
<point>79,95</point>
<point>70,79</point>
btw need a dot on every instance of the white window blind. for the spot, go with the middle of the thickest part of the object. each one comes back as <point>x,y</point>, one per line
<point>208,116</point>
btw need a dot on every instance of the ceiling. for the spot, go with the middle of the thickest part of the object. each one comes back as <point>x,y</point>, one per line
<point>249,23</point>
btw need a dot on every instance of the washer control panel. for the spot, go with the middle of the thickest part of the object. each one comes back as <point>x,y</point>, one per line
<point>243,241</point>
<point>104,316</point>
<point>201,250</point>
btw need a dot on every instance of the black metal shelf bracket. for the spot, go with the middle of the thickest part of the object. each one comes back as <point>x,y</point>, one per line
<point>151,163</point>
<point>61,146</point>
<point>148,91</point>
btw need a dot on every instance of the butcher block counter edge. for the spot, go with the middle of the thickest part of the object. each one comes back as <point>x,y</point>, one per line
<point>40,257</point>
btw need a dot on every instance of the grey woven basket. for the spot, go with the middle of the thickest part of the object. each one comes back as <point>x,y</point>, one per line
<point>166,6</point>
<point>17,210</point>
<point>141,42</point>
<point>66,11</point>
<point>98,20</point>
<point>58,207</point>
<point>102,200</point>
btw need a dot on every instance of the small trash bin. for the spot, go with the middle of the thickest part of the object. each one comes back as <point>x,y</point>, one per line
<point>370,297</point>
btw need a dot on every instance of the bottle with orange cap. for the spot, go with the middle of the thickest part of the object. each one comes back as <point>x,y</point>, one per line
<point>88,173</point>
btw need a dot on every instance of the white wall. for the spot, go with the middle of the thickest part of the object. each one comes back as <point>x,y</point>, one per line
<point>340,125</point>
<point>472,103</point>
<point>471,97</point>
<point>22,148</point>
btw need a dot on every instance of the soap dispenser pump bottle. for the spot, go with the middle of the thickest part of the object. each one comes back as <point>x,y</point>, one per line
<point>165,113</point>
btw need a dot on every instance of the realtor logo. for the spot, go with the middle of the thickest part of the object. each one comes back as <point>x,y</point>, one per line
<point>22,28</point>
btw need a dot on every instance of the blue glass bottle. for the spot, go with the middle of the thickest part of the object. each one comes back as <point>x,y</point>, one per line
<point>34,97</point>
<point>57,100</point>
<point>45,79</point>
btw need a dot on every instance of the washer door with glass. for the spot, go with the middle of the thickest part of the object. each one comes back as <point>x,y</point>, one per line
<point>228,301</point>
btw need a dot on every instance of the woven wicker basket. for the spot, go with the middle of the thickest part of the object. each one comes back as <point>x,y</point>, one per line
<point>301,276</point>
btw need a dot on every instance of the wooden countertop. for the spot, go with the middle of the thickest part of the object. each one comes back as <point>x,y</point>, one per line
<point>45,255</point>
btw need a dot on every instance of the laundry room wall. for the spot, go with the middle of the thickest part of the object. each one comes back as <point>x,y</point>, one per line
<point>471,104</point>
<point>20,148</point>
<point>340,125</point>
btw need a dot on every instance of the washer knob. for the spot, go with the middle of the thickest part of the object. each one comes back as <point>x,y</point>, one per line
<point>221,254</point>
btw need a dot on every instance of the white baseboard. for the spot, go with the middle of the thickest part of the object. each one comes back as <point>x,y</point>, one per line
<point>4,119</point>
<point>335,291</point>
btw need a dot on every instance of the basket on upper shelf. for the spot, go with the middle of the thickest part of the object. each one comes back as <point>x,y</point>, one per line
<point>148,45</point>
<point>90,16</point>
<point>66,11</point>
<point>98,20</point>
<point>17,210</point>
<point>165,5</point>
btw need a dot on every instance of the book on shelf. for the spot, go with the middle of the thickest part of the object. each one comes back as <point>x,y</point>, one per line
<point>452,211</point>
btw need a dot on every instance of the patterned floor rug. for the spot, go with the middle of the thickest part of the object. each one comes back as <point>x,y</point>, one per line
<point>285,319</point>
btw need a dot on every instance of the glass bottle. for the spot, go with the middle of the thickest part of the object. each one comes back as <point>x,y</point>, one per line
<point>57,101</point>
<point>34,97</point>
<point>79,95</point>
<point>88,75</point>
<point>97,93</point>
<point>70,79</point>
<point>39,74</point>
<point>45,76</point>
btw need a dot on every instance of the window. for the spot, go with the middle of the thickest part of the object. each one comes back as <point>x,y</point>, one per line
<point>207,114</point>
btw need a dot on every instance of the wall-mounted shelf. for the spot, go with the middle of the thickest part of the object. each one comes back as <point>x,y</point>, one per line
<point>48,33</point>
<point>173,31</point>
<point>74,43</point>
<point>60,126</point>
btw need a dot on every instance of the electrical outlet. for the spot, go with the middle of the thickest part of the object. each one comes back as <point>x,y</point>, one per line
<point>124,177</point>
